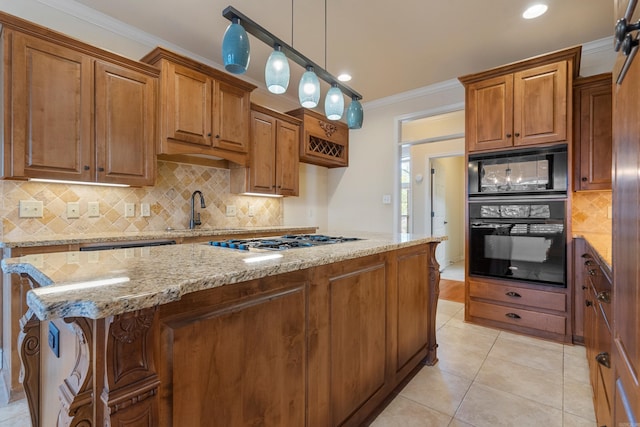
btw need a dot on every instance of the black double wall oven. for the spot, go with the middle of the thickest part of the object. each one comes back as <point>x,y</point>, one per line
<point>517,215</point>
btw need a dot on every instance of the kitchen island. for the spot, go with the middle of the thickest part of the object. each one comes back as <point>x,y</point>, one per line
<point>198,335</point>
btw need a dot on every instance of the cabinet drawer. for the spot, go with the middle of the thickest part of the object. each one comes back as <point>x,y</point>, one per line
<point>516,295</point>
<point>518,317</point>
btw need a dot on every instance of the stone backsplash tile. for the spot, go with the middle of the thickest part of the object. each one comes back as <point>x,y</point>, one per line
<point>590,211</point>
<point>169,201</point>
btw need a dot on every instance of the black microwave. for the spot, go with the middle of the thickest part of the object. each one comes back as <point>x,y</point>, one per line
<point>525,172</point>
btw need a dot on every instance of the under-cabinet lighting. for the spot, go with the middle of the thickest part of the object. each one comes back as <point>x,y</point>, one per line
<point>62,181</point>
<point>81,285</point>
<point>262,195</point>
<point>262,258</point>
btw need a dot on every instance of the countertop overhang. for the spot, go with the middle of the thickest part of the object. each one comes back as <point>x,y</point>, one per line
<point>106,283</point>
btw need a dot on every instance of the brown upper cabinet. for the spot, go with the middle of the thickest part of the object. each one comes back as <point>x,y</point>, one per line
<point>75,112</point>
<point>322,142</point>
<point>274,163</point>
<point>592,132</point>
<point>521,104</point>
<point>203,111</point>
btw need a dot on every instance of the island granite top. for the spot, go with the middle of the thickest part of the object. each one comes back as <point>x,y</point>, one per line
<point>99,284</point>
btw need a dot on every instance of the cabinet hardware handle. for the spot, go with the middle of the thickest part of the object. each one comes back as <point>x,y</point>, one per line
<point>621,30</point>
<point>513,294</point>
<point>584,179</point>
<point>588,262</point>
<point>209,134</point>
<point>592,272</point>
<point>604,359</point>
<point>585,256</point>
<point>100,169</point>
<point>508,135</point>
<point>584,288</point>
<point>517,134</point>
<point>604,296</point>
<point>512,316</point>
<point>628,44</point>
<point>588,303</point>
<point>86,167</point>
<point>217,136</point>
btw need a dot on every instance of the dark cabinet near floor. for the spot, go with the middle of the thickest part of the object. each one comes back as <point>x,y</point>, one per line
<point>592,132</point>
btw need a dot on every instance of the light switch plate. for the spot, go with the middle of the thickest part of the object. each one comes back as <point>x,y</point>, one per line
<point>145,209</point>
<point>93,209</point>
<point>30,209</point>
<point>73,210</point>
<point>129,210</point>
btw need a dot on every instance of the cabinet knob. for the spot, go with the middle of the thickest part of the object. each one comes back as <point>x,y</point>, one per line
<point>86,167</point>
<point>588,303</point>
<point>585,256</point>
<point>517,134</point>
<point>209,134</point>
<point>604,296</point>
<point>583,179</point>
<point>217,136</point>
<point>512,316</point>
<point>100,169</point>
<point>588,262</point>
<point>592,272</point>
<point>604,359</point>
<point>508,135</point>
<point>628,44</point>
<point>513,294</point>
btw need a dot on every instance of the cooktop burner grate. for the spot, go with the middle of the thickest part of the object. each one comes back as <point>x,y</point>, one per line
<point>289,241</point>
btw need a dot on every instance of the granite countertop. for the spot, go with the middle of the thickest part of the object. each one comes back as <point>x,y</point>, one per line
<point>103,283</point>
<point>601,243</point>
<point>70,239</point>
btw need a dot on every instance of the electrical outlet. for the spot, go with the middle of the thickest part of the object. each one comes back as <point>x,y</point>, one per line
<point>54,339</point>
<point>252,210</point>
<point>129,210</point>
<point>386,199</point>
<point>93,209</point>
<point>231,210</point>
<point>73,258</point>
<point>73,210</point>
<point>30,209</point>
<point>145,209</point>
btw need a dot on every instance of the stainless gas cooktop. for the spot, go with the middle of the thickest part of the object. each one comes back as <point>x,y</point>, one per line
<point>289,241</point>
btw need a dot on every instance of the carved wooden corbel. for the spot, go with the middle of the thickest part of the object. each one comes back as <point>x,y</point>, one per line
<point>434,288</point>
<point>29,345</point>
<point>130,381</point>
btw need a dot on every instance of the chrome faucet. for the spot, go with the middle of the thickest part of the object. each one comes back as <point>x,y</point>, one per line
<point>195,217</point>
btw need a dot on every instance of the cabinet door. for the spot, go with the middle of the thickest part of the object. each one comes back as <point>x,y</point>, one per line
<point>489,113</point>
<point>51,104</point>
<point>231,118</point>
<point>263,140</point>
<point>125,125</point>
<point>188,106</point>
<point>287,158</point>
<point>540,105</point>
<point>594,137</point>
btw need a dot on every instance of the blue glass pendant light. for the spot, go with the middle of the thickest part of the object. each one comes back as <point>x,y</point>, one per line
<point>235,48</point>
<point>309,89</point>
<point>354,114</point>
<point>334,103</point>
<point>276,72</point>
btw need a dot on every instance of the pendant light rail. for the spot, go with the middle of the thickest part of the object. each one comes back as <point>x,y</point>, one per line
<point>269,39</point>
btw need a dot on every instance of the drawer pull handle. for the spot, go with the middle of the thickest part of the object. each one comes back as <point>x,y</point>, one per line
<point>604,359</point>
<point>604,296</point>
<point>592,272</point>
<point>588,303</point>
<point>584,288</point>
<point>512,316</point>
<point>585,255</point>
<point>588,262</point>
<point>513,294</point>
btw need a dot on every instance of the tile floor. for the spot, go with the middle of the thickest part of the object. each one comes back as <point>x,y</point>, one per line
<point>453,271</point>
<point>484,378</point>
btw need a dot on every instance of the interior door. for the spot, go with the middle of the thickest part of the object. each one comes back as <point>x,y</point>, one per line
<point>439,210</point>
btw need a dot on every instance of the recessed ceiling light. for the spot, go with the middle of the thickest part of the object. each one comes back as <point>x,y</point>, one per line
<point>344,77</point>
<point>535,11</point>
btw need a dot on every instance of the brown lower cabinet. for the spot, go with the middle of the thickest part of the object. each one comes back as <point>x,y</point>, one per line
<point>323,346</point>
<point>597,327</point>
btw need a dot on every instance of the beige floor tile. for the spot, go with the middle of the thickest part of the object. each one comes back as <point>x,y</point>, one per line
<point>475,329</point>
<point>437,389</point>
<point>449,307</point>
<point>531,383</point>
<point>442,319</point>
<point>487,407</point>
<point>466,339</point>
<point>575,350</point>
<point>549,345</point>
<point>571,420</point>
<point>406,413</point>
<point>576,368</point>
<point>456,360</point>
<point>528,353</point>
<point>578,399</point>
<point>19,408</point>
<point>457,423</point>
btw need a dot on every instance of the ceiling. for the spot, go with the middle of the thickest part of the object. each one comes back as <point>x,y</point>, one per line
<point>389,47</point>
